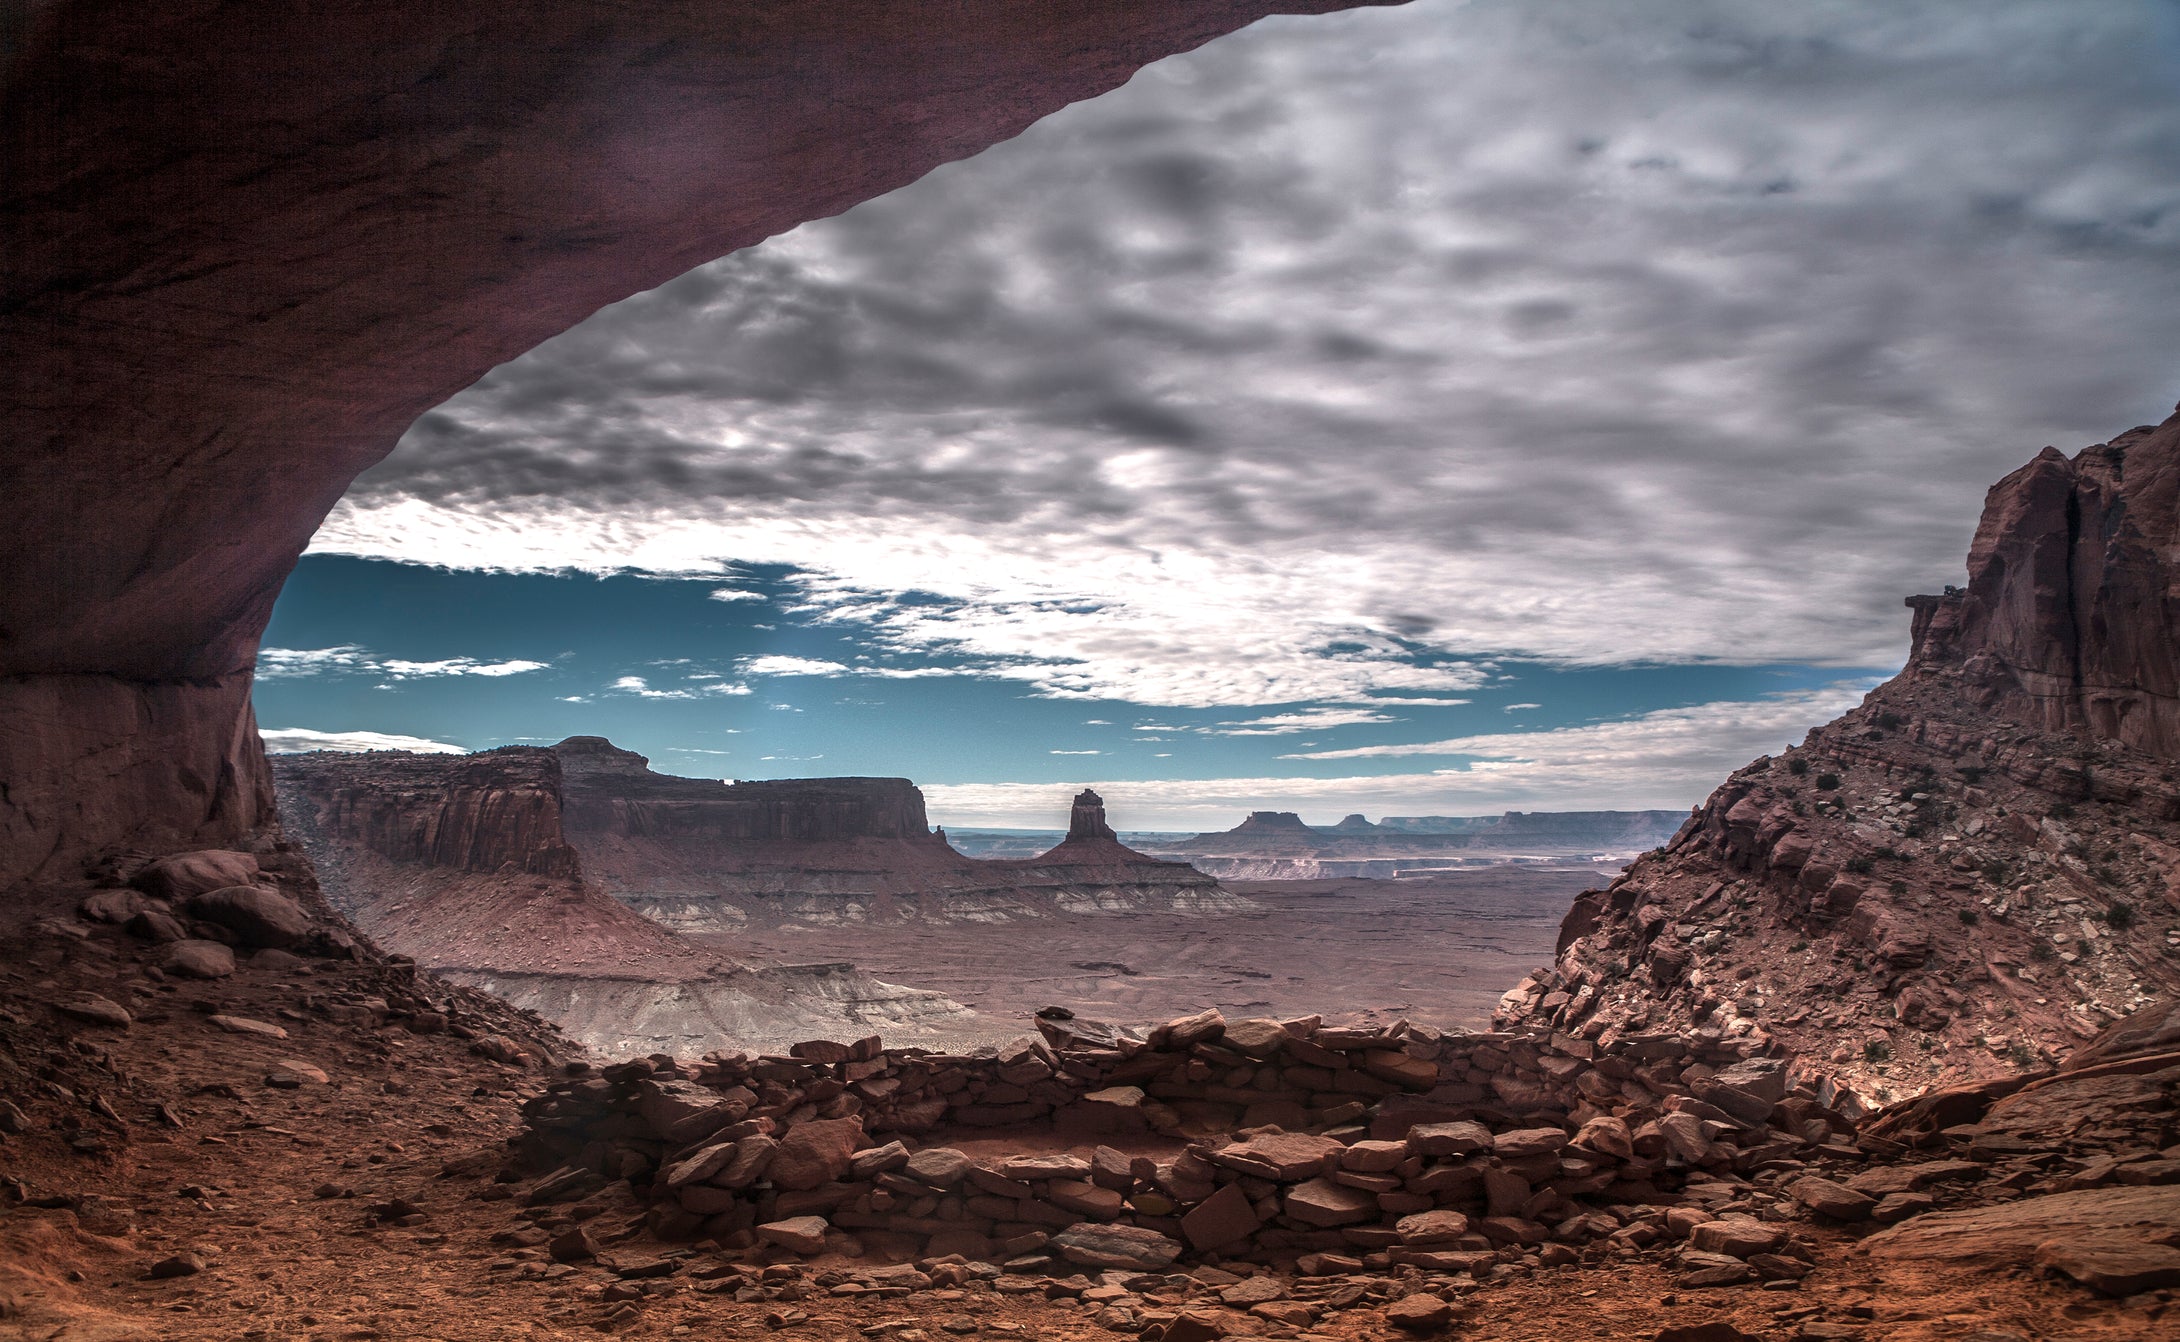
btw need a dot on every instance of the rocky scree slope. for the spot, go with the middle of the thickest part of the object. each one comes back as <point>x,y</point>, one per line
<point>462,862</point>
<point>1974,870</point>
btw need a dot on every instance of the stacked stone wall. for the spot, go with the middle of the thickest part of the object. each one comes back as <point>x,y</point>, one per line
<point>1273,1140</point>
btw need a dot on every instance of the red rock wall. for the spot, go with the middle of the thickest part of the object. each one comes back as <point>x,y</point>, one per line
<point>479,813</point>
<point>2071,617</point>
<point>245,250</point>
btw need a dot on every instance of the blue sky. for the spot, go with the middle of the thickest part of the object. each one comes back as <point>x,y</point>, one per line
<point>1629,361</point>
<point>370,651</point>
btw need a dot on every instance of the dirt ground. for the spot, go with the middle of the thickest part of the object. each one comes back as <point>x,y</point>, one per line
<point>364,1207</point>
<point>1438,951</point>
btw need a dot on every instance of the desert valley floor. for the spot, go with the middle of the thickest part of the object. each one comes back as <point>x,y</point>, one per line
<point>1436,950</point>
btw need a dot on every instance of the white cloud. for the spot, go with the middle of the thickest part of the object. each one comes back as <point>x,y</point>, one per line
<point>781,665</point>
<point>706,685</point>
<point>1665,739</point>
<point>1316,361</point>
<point>1302,720</point>
<point>730,594</point>
<point>296,740</point>
<point>1516,708</point>
<point>1078,752</point>
<point>458,666</point>
<point>288,663</point>
<point>1658,760</point>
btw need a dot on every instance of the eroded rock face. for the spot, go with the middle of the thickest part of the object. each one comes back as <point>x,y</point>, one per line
<point>2071,618</point>
<point>494,811</point>
<point>1972,872</point>
<point>243,256</point>
<point>463,863</point>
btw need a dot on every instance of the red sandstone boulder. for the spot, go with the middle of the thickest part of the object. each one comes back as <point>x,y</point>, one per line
<point>257,916</point>
<point>185,875</point>
<point>815,1152</point>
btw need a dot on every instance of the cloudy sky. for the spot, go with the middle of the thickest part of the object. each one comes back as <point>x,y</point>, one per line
<point>1416,411</point>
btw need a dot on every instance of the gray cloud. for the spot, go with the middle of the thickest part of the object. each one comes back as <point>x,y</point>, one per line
<point>1655,331</point>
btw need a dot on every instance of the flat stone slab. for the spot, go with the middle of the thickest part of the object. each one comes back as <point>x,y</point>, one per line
<point>2009,1232</point>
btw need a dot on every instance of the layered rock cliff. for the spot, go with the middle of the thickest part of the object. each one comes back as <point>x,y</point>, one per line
<point>242,255</point>
<point>462,863</point>
<point>1974,870</point>
<point>705,857</point>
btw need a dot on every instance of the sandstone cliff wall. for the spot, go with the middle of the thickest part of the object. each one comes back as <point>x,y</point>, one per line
<point>1974,870</point>
<point>500,810</point>
<point>2070,621</point>
<point>242,256</point>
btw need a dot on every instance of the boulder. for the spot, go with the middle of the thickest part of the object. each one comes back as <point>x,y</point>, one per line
<point>815,1152</point>
<point>186,875</point>
<point>2113,1263</point>
<point>257,916</point>
<point>198,960</point>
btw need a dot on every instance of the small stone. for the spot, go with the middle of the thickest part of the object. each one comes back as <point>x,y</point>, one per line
<point>94,1009</point>
<point>1419,1314</point>
<point>198,960</point>
<point>1252,1291</point>
<point>1225,1217</point>
<point>1320,1202</point>
<point>110,906</point>
<point>938,1166</point>
<point>1116,1246</point>
<point>797,1234</point>
<point>1736,1237</point>
<point>573,1245</point>
<point>293,1072</point>
<point>153,926</point>
<point>1432,1227</point>
<point>1827,1198</point>
<point>180,1265</point>
<point>1900,1206</point>
<point>246,1025</point>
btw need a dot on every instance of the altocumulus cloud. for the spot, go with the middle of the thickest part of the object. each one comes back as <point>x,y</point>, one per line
<point>1316,361</point>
